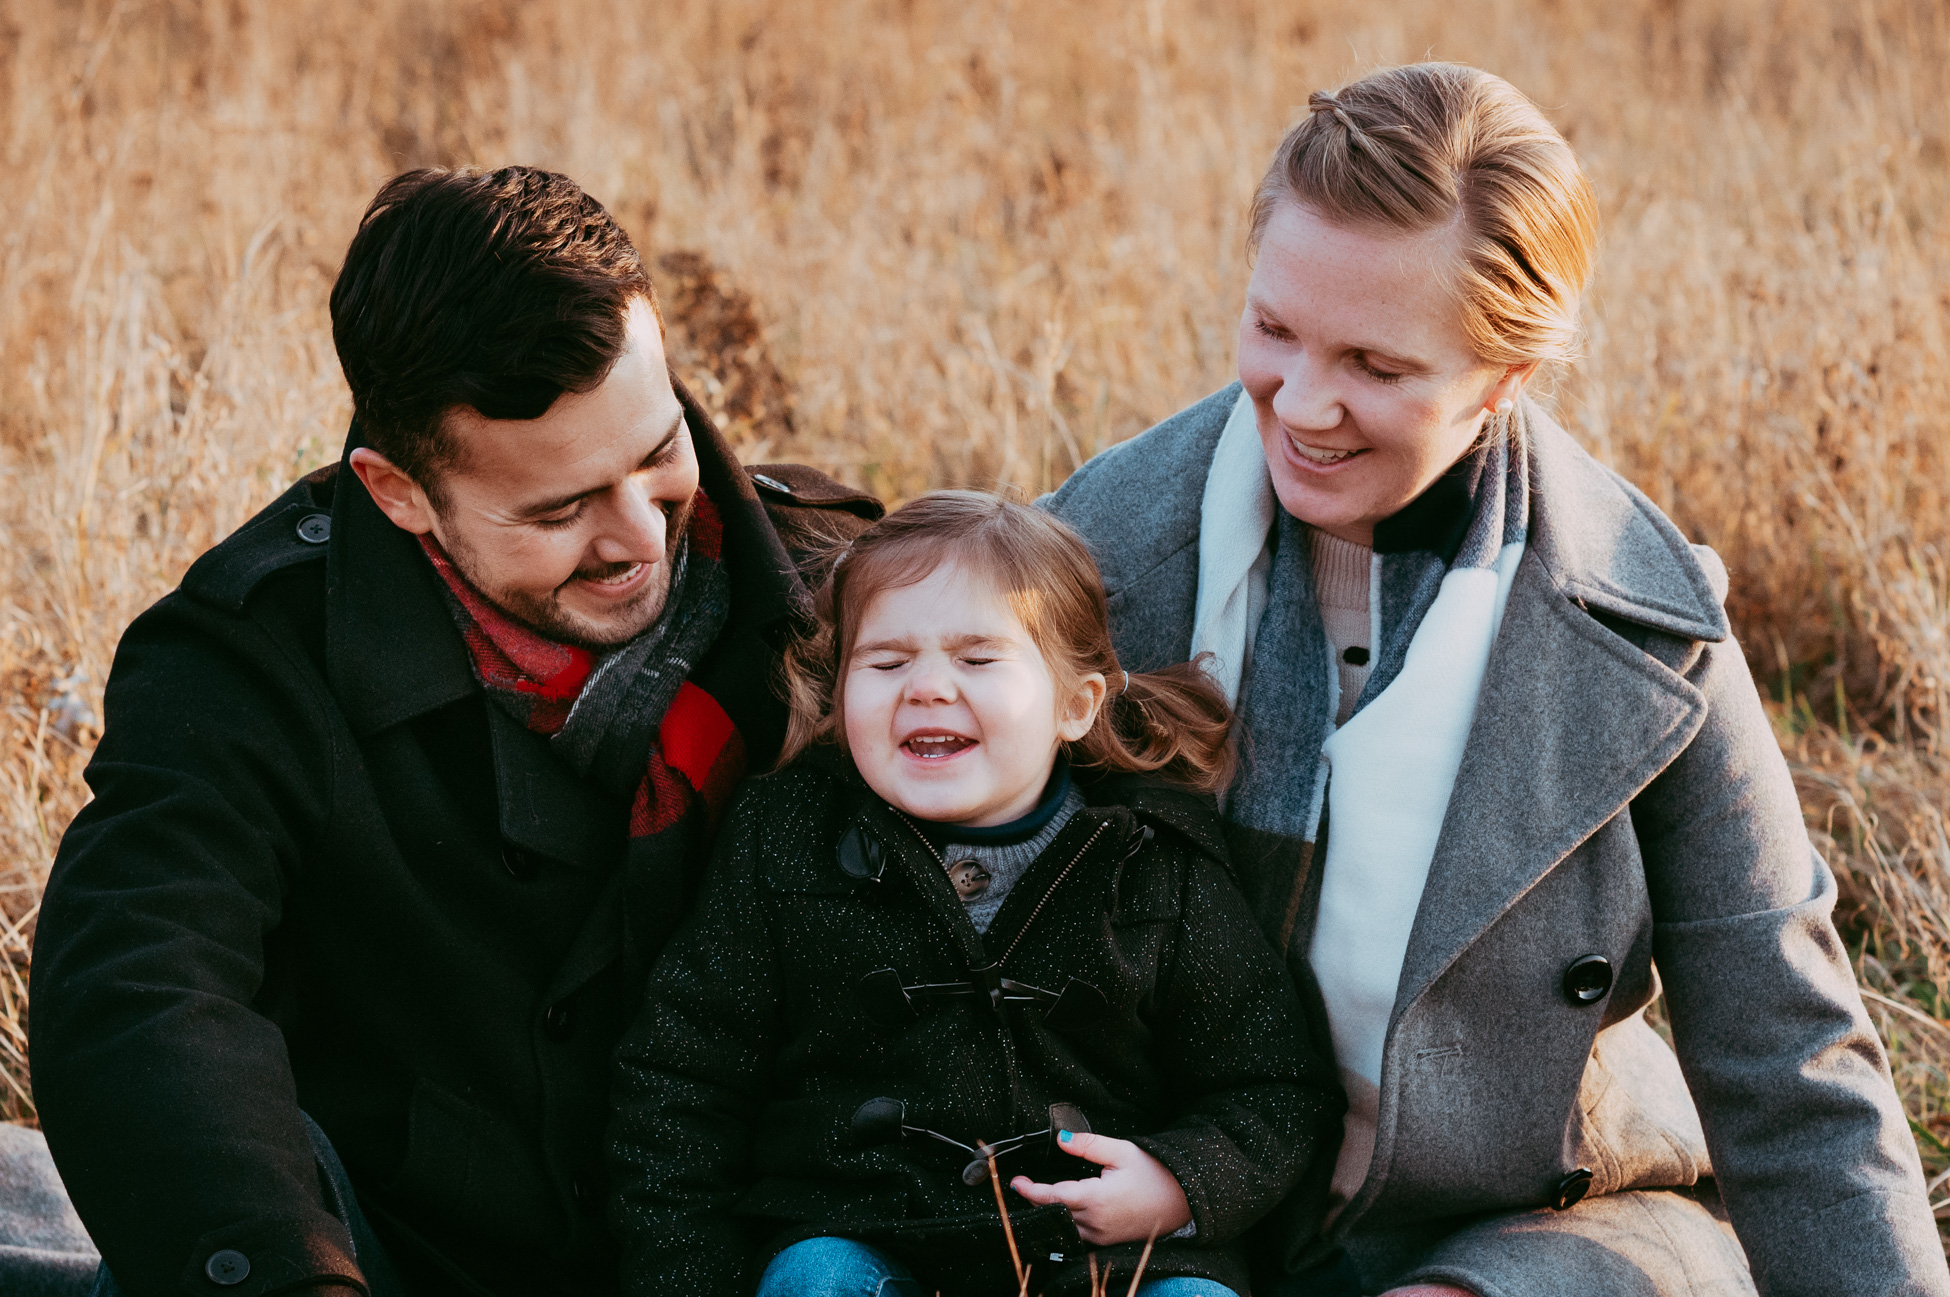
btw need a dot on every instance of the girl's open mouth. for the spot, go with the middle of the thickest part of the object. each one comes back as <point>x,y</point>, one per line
<point>935,747</point>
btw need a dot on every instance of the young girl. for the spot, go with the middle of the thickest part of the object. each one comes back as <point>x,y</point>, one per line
<point>984,908</point>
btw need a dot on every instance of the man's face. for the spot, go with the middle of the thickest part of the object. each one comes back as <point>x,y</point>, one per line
<point>568,522</point>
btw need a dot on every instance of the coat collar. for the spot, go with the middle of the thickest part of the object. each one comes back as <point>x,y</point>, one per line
<point>1600,539</point>
<point>1609,548</point>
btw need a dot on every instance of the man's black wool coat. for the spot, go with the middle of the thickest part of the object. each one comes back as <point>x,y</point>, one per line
<point>765,1028</point>
<point>320,872</point>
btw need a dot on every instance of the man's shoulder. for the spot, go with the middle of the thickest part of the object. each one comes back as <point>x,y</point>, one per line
<point>292,529</point>
<point>813,513</point>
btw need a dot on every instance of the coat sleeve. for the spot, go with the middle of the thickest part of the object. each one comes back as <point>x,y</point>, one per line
<point>1255,1102</point>
<point>166,1095</point>
<point>691,1075</point>
<point>1810,1148</point>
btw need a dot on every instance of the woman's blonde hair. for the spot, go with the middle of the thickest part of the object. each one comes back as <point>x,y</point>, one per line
<point>1174,722</point>
<point>1415,148</point>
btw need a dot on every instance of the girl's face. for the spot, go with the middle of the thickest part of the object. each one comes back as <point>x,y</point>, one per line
<point>1365,386</point>
<point>951,712</point>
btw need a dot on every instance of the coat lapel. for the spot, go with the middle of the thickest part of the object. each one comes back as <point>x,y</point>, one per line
<point>1549,760</point>
<point>1573,722</point>
<point>1545,766</point>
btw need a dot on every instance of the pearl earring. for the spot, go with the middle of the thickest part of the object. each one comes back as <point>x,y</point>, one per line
<point>1504,407</point>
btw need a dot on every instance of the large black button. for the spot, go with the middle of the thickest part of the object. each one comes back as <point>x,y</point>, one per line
<point>560,1020</point>
<point>1588,980</point>
<point>861,855</point>
<point>227,1267</point>
<point>519,864</point>
<point>1572,1189</point>
<point>315,528</point>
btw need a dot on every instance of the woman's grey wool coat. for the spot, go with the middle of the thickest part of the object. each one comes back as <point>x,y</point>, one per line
<point>1622,795</point>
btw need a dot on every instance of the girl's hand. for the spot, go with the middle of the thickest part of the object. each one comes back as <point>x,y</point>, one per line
<point>1134,1199</point>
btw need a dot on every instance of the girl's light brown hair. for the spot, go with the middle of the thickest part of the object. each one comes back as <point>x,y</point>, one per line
<point>1414,148</point>
<point>1173,722</point>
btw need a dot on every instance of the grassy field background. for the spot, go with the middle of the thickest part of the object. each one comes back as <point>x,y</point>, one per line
<point>921,243</point>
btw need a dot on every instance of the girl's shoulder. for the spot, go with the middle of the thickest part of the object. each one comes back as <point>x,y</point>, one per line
<point>799,809</point>
<point>1183,818</point>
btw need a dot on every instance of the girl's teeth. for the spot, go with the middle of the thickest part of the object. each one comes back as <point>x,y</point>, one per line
<point>936,747</point>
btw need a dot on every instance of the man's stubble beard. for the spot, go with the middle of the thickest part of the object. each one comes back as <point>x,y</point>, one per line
<point>545,615</point>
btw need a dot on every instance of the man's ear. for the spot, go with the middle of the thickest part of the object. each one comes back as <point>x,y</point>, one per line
<point>398,496</point>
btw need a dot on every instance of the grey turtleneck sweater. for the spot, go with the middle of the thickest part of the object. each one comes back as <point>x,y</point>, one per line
<point>1005,863</point>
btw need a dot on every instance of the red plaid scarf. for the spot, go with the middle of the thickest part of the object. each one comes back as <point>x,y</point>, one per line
<point>698,753</point>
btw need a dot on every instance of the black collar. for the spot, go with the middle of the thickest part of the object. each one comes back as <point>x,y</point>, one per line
<point>1438,519</point>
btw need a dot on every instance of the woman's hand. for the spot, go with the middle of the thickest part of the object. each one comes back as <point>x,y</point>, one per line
<point>1135,1198</point>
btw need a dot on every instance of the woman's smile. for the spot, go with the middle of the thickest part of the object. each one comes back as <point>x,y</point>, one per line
<point>1321,457</point>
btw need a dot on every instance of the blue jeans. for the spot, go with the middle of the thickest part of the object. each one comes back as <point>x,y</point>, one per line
<point>381,1280</point>
<point>839,1267</point>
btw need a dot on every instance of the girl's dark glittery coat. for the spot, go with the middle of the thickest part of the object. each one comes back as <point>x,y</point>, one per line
<point>739,1081</point>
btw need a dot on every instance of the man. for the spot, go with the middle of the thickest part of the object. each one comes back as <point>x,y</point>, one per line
<point>404,788</point>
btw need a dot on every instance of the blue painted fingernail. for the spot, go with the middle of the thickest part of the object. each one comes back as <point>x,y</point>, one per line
<point>1063,1136</point>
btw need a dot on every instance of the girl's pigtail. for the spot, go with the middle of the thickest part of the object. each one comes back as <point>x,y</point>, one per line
<point>1173,722</point>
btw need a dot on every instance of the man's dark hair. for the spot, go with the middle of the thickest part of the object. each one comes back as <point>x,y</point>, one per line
<point>498,290</point>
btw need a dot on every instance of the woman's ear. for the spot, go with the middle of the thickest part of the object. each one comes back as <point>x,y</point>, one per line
<point>1079,713</point>
<point>1510,386</point>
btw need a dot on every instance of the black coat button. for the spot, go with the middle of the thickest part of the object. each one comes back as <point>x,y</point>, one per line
<point>1572,1189</point>
<point>861,854</point>
<point>1588,980</point>
<point>227,1267</point>
<point>519,864</point>
<point>560,1020</point>
<point>315,528</point>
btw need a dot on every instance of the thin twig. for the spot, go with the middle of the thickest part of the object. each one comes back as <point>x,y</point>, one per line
<point>995,1178</point>
<point>1022,1289</point>
<point>1143,1261</point>
<point>1095,1290</point>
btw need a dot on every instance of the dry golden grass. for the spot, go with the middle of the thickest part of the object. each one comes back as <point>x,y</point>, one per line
<point>983,240</point>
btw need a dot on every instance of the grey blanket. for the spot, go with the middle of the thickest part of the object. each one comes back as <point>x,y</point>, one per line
<point>44,1251</point>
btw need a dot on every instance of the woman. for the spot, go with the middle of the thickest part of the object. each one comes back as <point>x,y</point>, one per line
<point>1503,756</point>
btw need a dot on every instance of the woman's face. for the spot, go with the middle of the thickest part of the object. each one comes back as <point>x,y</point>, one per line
<point>1365,386</point>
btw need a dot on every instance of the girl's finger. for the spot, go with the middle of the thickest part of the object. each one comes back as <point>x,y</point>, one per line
<point>1071,1193</point>
<point>1101,1149</point>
